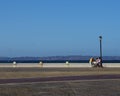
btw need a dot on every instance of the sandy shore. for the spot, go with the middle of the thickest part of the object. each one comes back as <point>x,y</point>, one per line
<point>55,65</point>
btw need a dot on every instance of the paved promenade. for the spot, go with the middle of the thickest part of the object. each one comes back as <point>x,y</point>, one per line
<point>63,78</point>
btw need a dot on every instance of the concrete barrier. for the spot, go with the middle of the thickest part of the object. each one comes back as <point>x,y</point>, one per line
<point>111,64</point>
<point>57,65</point>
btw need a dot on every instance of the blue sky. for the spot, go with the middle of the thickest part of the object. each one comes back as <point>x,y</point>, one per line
<point>59,27</point>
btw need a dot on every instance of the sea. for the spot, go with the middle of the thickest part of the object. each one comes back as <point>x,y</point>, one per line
<point>55,61</point>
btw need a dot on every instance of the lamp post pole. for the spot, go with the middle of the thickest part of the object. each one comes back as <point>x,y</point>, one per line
<point>100,37</point>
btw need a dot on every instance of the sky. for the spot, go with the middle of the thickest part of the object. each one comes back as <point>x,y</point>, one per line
<point>59,27</point>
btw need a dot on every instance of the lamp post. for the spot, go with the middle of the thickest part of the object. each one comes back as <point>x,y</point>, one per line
<point>100,37</point>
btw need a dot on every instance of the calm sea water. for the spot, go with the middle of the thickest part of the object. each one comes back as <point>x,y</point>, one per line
<point>57,61</point>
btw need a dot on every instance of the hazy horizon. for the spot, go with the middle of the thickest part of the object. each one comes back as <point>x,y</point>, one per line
<point>57,56</point>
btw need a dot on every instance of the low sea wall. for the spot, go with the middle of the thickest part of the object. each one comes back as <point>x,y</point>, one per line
<point>55,65</point>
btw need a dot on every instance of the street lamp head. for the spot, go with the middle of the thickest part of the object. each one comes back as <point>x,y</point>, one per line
<point>100,37</point>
